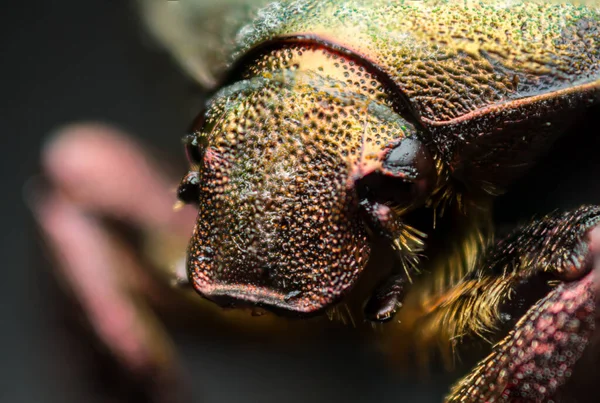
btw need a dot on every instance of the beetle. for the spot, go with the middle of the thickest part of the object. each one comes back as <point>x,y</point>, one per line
<point>331,125</point>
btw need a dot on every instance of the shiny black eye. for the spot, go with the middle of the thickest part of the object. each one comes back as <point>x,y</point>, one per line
<point>406,178</point>
<point>195,147</point>
<point>189,190</point>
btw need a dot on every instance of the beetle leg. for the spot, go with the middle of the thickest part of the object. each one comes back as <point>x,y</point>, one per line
<point>539,355</point>
<point>94,267</point>
<point>93,173</point>
<point>387,298</point>
<point>555,256</point>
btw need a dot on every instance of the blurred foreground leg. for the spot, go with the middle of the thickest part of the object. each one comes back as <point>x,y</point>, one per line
<point>95,172</point>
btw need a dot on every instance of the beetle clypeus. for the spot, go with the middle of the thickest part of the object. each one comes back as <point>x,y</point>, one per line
<point>335,124</point>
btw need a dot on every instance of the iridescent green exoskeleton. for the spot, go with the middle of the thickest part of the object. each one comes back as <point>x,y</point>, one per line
<point>335,124</point>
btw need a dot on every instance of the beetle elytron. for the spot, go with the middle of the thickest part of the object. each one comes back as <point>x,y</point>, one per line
<point>334,124</point>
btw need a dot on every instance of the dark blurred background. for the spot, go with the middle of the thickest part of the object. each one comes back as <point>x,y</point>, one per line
<point>89,60</point>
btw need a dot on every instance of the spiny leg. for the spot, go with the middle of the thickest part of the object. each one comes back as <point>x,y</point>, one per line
<point>387,297</point>
<point>538,357</point>
<point>402,178</point>
<point>554,255</point>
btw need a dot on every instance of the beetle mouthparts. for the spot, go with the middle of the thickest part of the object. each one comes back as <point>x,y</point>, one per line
<point>260,299</point>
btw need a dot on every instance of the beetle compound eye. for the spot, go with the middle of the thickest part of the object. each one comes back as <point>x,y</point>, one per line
<point>406,157</point>
<point>406,177</point>
<point>195,147</point>
<point>189,188</point>
<point>411,160</point>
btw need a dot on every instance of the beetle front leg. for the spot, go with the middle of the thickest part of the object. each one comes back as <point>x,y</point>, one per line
<point>94,173</point>
<point>534,361</point>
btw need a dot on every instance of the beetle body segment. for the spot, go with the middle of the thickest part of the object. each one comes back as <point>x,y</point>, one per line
<point>278,209</point>
<point>467,70</point>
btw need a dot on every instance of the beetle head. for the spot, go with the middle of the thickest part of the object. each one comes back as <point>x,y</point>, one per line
<point>276,169</point>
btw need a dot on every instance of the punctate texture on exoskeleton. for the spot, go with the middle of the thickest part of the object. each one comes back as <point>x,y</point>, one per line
<point>467,70</point>
<point>335,124</point>
<point>278,221</point>
<point>332,115</point>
